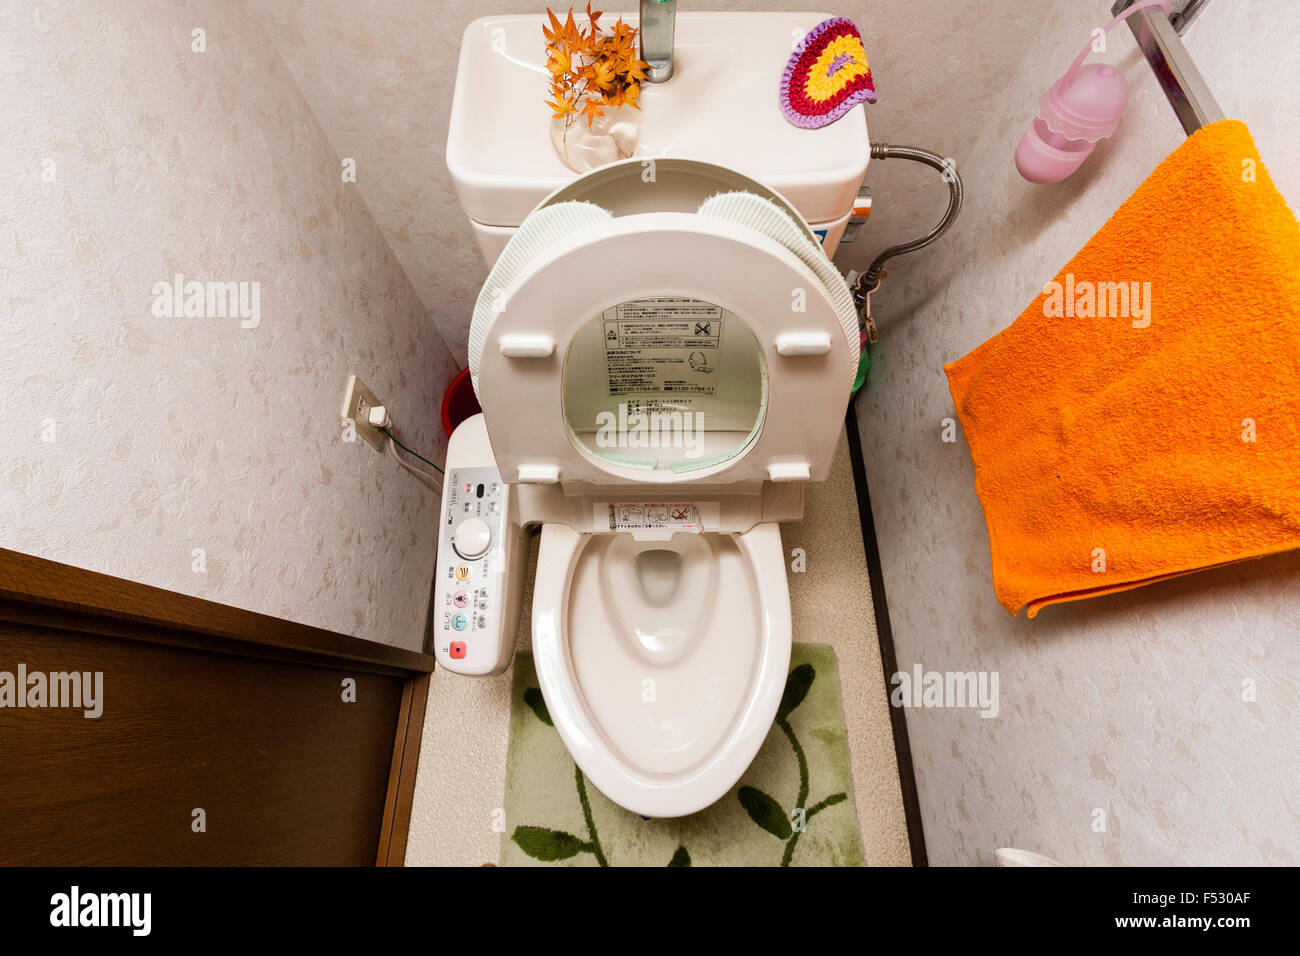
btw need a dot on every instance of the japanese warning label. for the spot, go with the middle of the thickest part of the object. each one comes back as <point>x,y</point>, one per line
<point>630,517</point>
<point>662,345</point>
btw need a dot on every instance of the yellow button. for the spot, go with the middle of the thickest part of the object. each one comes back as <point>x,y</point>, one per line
<point>462,572</point>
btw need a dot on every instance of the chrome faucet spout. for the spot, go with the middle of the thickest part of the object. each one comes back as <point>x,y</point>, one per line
<point>658,19</point>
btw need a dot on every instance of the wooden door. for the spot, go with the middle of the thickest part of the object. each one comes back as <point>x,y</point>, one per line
<point>223,736</point>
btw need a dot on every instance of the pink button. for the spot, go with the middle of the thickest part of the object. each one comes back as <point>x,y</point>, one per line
<point>457,650</point>
<point>461,599</point>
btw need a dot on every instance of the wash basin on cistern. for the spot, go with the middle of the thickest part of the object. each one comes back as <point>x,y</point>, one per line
<point>721,99</point>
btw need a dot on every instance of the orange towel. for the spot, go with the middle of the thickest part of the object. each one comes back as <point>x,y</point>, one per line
<point>1114,448</point>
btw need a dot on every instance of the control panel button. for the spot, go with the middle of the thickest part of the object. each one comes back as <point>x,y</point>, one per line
<point>472,538</point>
<point>457,650</point>
<point>462,572</point>
<point>460,622</point>
<point>461,599</point>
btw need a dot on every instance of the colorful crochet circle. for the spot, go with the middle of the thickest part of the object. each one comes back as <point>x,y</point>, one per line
<point>827,75</point>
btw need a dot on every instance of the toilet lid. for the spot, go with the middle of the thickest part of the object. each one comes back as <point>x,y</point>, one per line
<point>664,346</point>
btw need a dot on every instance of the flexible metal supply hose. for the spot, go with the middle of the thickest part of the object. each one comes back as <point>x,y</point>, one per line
<point>868,281</point>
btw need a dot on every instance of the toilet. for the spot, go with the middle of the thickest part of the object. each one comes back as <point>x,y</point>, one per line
<point>657,419</point>
<point>663,354</point>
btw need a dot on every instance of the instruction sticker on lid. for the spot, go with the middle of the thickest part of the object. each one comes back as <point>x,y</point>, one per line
<point>662,345</point>
<point>645,517</point>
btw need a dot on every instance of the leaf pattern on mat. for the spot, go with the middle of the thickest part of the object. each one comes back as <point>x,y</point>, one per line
<point>534,699</point>
<point>765,811</point>
<point>797,686</point>
<point>542,843</point>
<point>547,845</point>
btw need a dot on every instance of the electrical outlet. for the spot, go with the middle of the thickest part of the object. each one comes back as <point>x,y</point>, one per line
<point>357,402</point>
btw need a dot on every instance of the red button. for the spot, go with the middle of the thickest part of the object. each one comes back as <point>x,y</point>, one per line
<point>457,650</point>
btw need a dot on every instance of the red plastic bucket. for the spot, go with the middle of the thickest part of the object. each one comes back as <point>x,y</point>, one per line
<point>459,403</point>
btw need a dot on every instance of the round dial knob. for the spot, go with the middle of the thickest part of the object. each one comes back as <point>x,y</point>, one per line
<point>472,538</point>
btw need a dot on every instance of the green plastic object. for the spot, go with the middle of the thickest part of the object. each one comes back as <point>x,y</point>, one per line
<point>864,363</point>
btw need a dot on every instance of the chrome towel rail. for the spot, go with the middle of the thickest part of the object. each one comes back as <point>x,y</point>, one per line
<point>1158,38</point>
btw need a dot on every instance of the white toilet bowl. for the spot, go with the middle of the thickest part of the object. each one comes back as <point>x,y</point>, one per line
<point>662,663</point>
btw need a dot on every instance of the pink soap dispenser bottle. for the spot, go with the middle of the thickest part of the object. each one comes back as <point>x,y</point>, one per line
<point>1082,108</point>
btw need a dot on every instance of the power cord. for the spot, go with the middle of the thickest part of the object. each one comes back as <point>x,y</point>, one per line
<point>411,452</point>
<point>432,480</point>
<point>379,418</point>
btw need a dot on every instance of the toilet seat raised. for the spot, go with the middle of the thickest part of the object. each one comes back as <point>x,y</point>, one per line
<point>741,254</point>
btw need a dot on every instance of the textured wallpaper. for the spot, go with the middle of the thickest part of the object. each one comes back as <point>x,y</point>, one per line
<point>1157,726</point>
<point>192,442</point>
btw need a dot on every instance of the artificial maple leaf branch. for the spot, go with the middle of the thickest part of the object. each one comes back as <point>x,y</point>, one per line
<point>591,67</point>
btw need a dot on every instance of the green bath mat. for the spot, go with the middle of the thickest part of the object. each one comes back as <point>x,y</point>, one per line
<point>555,816</point>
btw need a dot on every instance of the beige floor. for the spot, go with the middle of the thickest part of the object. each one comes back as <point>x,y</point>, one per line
<point>456,817</point>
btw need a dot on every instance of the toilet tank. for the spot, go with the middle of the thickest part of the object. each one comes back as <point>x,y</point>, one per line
<point>720,106</point>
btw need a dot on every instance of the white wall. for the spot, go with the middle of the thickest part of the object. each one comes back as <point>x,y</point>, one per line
<point>1131,703</point>
<point>171,435</point>
<point>379,76</point>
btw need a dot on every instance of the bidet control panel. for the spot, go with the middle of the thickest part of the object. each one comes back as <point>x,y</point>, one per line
<point>475,615</point>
